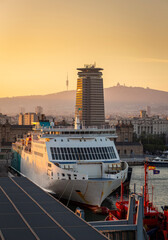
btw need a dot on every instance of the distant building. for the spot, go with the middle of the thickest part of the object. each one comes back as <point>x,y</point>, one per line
<point>9,133</point>
<point>4,118</point>
<point>27,118</point>
<point>150,125</point>
<point>124,143</point>
<point>124,131</point>
<point>143,114</point>
<point>90,96</point>
<point>21,119</point>
<point>38,110</point>
<point>148,110</point>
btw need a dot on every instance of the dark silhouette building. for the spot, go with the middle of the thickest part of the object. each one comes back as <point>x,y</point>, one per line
<point>125,144</point>
<point>9,133</point>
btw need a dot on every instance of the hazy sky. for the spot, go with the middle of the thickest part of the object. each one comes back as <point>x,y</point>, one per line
<point>42,40</point>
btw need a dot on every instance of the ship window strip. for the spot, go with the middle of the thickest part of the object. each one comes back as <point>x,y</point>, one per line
<point>93,153</point>
<point>103,155</point>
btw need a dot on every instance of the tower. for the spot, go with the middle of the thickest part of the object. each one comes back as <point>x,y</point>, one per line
<point>67,82</point>
<point>90,96</point>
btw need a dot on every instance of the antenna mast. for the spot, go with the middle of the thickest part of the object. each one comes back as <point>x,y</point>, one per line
<point>67,82</point>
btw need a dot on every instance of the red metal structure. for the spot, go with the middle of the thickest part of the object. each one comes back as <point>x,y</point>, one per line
<point>155,222</point>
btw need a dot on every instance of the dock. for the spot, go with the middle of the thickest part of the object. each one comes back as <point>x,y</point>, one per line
<point>27,212</point>
<point>126,229</point>
<point>134,161</point>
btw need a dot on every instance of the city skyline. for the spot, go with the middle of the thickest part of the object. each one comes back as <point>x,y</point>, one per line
<point>40,41</point>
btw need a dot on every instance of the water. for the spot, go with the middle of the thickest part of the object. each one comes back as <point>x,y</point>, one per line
<point>160,191</point>
<point>159,182</point>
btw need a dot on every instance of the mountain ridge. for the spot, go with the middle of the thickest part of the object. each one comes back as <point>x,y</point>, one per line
<point>117,99</point>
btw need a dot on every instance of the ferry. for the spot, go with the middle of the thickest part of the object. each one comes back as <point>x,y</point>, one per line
<point>158,162</point>
<point>77,164</point>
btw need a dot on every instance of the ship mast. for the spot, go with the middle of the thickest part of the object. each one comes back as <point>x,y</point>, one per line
<point>122,191</point>
<point>146,195</point>
<point>77,122</point>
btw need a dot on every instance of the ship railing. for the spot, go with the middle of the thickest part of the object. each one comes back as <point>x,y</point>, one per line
<point>82,127</point>
<point>132,156</point>
<point>114,167</point>
<point>66,166</point>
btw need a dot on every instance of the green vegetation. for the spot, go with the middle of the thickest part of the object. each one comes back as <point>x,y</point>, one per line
<point>152,143</point>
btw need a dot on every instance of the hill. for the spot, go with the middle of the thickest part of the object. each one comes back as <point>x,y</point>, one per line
<point>118,99</point>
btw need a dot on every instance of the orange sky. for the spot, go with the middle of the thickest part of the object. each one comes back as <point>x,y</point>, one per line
<point>42,40</point>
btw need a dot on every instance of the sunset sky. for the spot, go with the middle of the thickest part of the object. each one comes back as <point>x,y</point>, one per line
<point>42,40</point>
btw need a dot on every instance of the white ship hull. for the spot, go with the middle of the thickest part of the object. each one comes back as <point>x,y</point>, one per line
<point>89,191</point>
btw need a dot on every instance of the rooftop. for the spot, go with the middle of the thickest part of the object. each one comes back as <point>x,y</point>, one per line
<point>27,212</point>
<point>90,68</point>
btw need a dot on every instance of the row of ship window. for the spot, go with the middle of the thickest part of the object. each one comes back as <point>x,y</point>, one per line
<point>92,153</point>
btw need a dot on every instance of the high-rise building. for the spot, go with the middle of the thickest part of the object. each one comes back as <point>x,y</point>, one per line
<point>21,119</point>
<point>27,118</point>
<point>143,114</point>
<point>90,96</point>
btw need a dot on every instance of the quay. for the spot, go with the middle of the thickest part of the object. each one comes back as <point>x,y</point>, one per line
<point>139,161</point>
<point>27,212</point>
<point>126,229</point>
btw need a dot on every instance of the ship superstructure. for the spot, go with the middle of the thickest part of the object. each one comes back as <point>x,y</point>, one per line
<point>81,165</point>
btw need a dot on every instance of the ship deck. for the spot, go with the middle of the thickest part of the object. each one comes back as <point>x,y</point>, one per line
<point>27,212</point>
